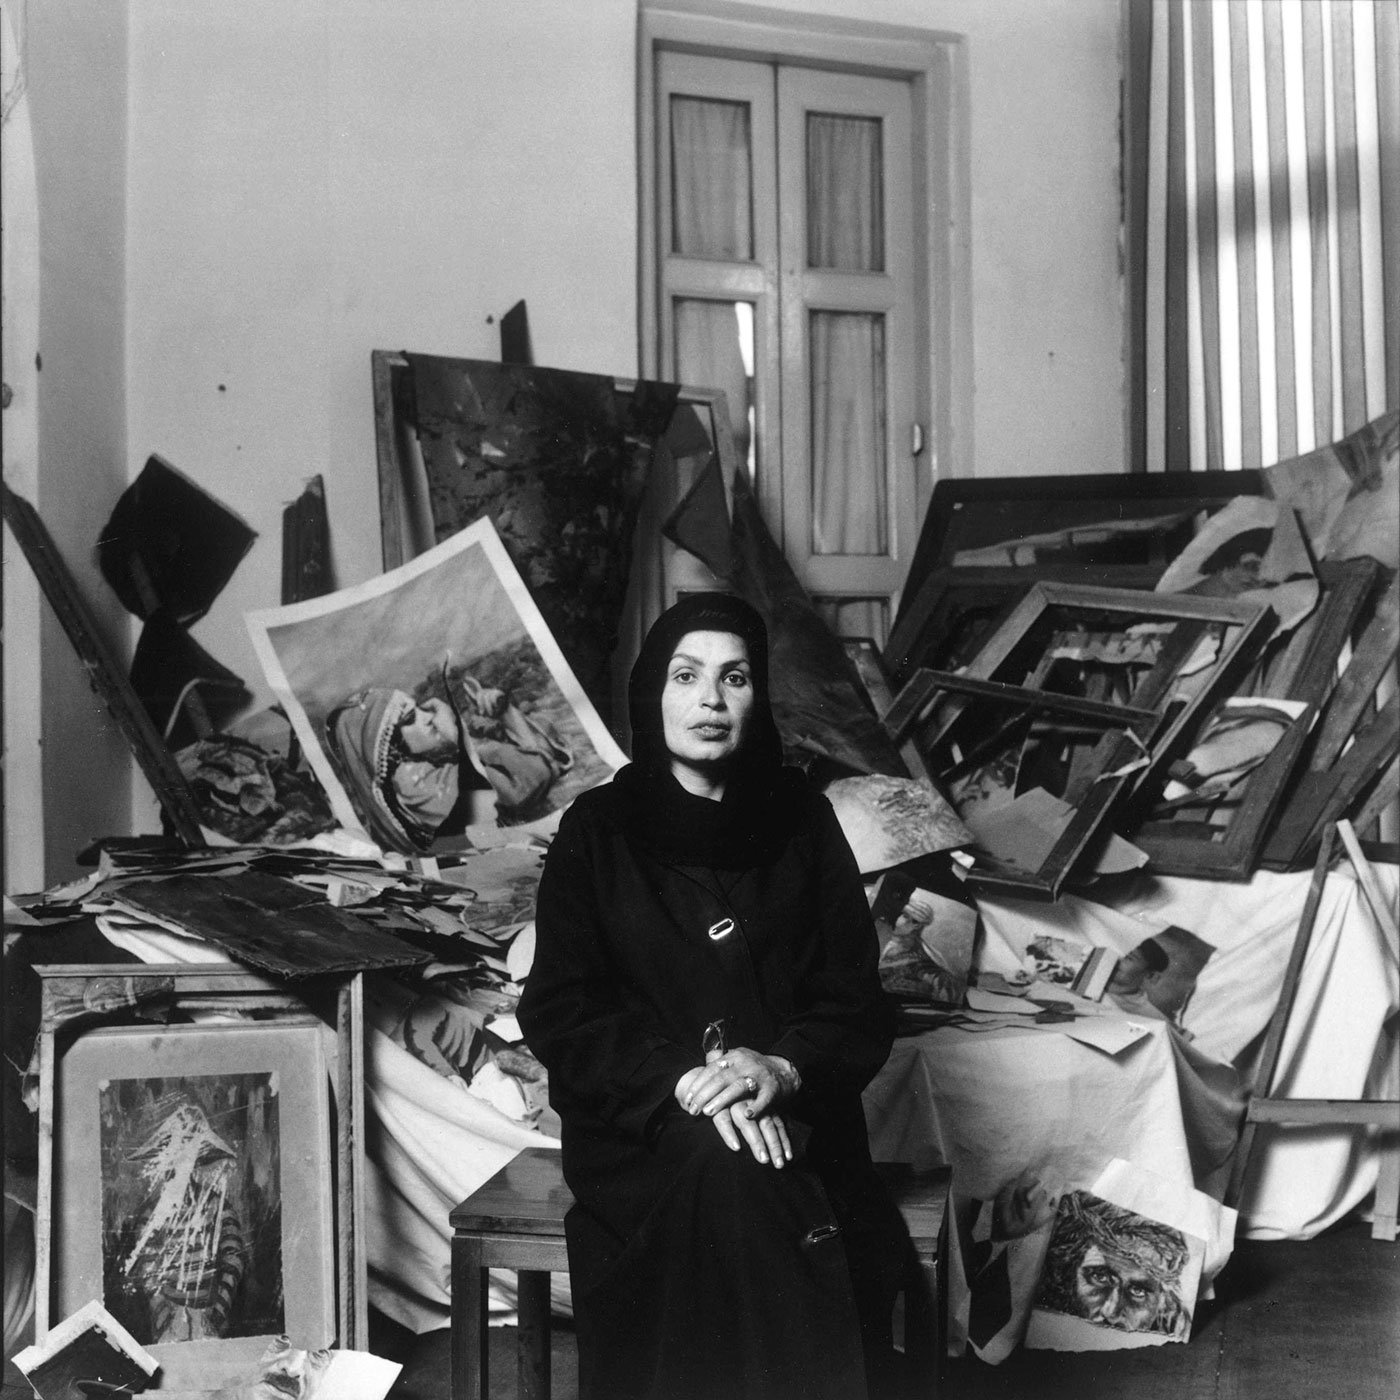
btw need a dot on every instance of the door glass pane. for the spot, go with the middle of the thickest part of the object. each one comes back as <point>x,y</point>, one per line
<point>715,350</point>
<point>845,193</point>
<point>711,179</point>
<point>846,355</point>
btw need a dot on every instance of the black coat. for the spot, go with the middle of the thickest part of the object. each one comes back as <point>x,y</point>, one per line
<point>626,977</point>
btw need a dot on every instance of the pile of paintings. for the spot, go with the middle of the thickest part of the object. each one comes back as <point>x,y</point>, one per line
<point>201,1151</point>
<point>1059,636</point>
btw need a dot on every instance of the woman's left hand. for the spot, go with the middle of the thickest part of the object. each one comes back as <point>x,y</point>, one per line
<point>743,1080</point>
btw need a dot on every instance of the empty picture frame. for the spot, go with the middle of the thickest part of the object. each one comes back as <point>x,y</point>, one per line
<point>1085,521</point>
<point>959,607</point>
<point>193,1190</point>
<point>1180,840</point>
<point>105,674</point>
<point>1133,667</point>
<point>1349,764</point>
<point>1099,530</point>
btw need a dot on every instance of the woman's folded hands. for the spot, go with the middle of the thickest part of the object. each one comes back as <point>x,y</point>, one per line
<point>739,1090</point>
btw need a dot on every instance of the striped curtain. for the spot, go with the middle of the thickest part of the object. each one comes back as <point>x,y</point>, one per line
<point>1272,317</point>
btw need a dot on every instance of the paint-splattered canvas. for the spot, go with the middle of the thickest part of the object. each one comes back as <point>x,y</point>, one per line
<point>558,460</point>
<point>191,1206</point>
<point>193,1189</point>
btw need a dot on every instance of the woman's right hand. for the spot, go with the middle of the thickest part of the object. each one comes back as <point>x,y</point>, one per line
<point>765,1135</point>
<point>739,1125</point>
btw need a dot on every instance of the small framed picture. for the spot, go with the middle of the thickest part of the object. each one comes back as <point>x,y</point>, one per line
<point>193,1190</point>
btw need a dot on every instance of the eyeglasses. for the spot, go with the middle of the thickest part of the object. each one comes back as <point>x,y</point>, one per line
<point>713,1039</point>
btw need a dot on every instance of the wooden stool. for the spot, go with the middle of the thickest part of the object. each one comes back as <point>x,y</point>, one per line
<point>516,1221</point>
<point>922,1198</point>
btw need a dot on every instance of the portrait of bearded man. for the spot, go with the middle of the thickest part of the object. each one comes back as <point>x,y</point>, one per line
<point>1115,1268</point>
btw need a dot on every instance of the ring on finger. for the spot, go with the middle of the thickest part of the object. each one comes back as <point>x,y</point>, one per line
<point>751,1084</point>
<point>724,1064</point>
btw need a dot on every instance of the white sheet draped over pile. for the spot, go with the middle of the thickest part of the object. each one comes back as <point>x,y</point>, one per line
<point>996,1102</point>
<point>1158,1103</point>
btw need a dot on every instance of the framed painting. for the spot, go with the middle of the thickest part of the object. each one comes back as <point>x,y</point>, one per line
<point>193,1190</point>
<point>1066,708</point>
<point>107,676</point>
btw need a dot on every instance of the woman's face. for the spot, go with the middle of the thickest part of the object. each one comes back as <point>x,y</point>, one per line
<point>429,730</point>
<point>707,703</point>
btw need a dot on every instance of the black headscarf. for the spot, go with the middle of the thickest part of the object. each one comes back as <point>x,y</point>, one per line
<point>762,799</point>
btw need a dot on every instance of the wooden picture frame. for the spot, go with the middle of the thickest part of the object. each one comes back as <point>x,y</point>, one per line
<point>972,513</point>
<point>78,1000</point>
<point>1305,672</point>
<point>107,676</point>
<point>865,656</point>
<point>967,516</point>
<point>1349,766</point>
<point>959,607</point>
<point>1017,668</point>
<point>194,1189</point>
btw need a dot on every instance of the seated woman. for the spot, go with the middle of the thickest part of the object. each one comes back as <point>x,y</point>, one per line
<point>705,999</point>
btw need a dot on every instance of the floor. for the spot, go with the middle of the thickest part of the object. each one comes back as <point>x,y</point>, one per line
<point>1291,1321</point>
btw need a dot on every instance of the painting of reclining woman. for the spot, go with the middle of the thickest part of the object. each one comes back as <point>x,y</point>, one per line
<point>433,702</point>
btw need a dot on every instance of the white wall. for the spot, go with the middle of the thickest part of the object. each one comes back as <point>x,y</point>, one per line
<point>19,336</point>
<point>1046,281</point>
<point>312,179</point>
<point>1047,316</point>
<point>74,52</point>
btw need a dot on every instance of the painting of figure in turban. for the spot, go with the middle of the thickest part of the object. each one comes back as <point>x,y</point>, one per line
<point>419,765</point>
<point>433,703</point>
